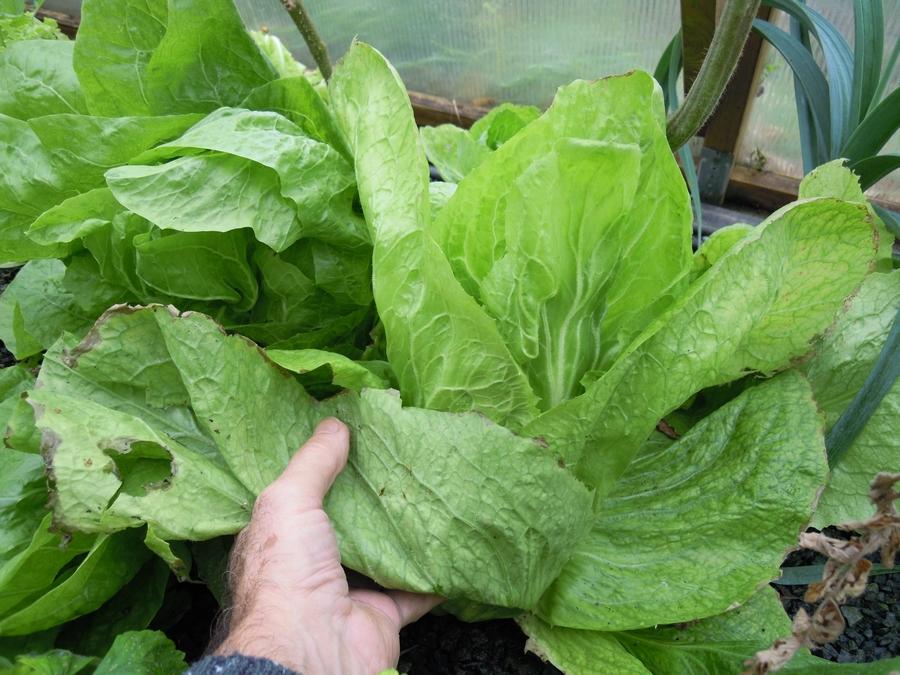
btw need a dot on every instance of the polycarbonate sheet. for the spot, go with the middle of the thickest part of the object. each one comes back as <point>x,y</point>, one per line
<point>770,139</point>
<point>488,50</point>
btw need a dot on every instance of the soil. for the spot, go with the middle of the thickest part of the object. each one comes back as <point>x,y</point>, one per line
<point>6,275</point>
<point>443,645</point>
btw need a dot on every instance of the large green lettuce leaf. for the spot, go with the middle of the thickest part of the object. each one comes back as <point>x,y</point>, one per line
<point>570,263</point>
<point>550,289</point>
<point>81,148</point>
<point>843,361</point>
<point>693,527</point>
<point>143,57</point>
<point>36,308</point>
<point>109,564</point>
<point>312,295</point>
<point>199,266</point>
<point>163,419</point>
<point>756,309</point>
<point>274,154</point>
<point>142,652</point>
<point>298,100</point>
<point>215,192</point>
<point>116,39</point>
<point>36,78</point>
<point>445,349</point>
<point>205,60</point>
<point>54,158</point>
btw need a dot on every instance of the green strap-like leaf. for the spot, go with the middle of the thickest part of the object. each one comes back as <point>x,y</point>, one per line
<point>868,48</point>
<point>872,169</point>
<point>839,61</point>
<point>808,75</point>
<point>877,384</point>
<point>812,152</point>
<point>874,131</point>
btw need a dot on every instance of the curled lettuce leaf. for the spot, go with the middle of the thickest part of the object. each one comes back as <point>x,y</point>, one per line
<point>585,261</point>
<point>842,362</point>
<point>758,308</point>
<point>695,526</point>
<point>445,349</point>
<point>718,644</point>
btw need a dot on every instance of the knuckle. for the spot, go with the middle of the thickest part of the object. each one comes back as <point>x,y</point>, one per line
<point>269,501</point>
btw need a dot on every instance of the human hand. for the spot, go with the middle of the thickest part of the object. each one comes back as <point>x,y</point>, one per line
<point>291,600</point>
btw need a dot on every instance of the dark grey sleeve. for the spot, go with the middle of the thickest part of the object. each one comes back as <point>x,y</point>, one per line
<point>237,664</point>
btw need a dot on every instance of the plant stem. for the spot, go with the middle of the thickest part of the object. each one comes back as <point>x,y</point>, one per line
<point>721,59</point>
<point>307,28</point>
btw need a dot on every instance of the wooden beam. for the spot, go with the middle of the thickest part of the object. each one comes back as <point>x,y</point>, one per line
<point>67,24</point>
<point>433,110</point>
<point>722,130</point>
<point>770,191</point>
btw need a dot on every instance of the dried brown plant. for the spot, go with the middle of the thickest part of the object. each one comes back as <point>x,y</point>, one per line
<point>845,576</point>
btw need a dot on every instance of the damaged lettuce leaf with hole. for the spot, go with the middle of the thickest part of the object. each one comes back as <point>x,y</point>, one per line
<point>149,420</point>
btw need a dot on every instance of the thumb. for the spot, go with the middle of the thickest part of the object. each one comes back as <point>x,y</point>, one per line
<point>314,467</point>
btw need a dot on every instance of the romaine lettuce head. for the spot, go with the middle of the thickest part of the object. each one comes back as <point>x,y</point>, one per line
<point>539,320</point>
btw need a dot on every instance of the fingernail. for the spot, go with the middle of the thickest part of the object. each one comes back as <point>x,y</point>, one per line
<point>329,426</point>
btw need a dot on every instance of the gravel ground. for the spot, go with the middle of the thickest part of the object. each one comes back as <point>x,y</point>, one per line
<point>6,275</point>
<point>873,619</point>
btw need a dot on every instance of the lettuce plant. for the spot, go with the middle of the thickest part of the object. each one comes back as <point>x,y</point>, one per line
<point>508,352</point>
